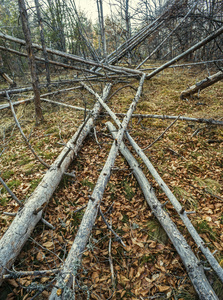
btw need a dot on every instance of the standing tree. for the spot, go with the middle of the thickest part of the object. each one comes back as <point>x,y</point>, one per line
<point>32,63</point>
<point>40,21</point>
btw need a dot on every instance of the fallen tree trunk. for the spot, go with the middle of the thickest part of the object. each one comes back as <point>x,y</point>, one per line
<point>200,243</point>
<point>52,62</point>
<point>163,117</point>
<point>73,57</point>
<point>67,276</point>
<point>26,219</point>
<point>203,84</point>
<point>180,210</point>
<point>190,261</point>
<point>3,106</point>
<point>190,50</point>
<point>7,78</point>
<point>186,65</point>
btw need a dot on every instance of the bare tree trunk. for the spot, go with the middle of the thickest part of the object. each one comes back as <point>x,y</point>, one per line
<point>202,85</point>
<point>67,276</point>
<point>185,53</point>
<point>102,28</point>
<point>32,63</point>
<point>45,54</point>
<point>191,263</point>
<point>26,219</point>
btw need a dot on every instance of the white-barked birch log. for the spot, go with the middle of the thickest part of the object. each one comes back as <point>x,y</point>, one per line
<point>66,277</point>
<point>26,219</point>
<point>190,261</point>
<point>203,84</point>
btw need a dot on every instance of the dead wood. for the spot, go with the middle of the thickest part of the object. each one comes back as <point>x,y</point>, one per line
<point>52,62</point>
<point>190,261</point>
<point>203,84</point>
<point>76,58</point>
<point>25,221</point>
<point>15,274</point>
<point>200,243</point>
<point>32,62</point>
<point>8,79</point>
<point>187,65</point>
<point>163,117</point>
<point>185,53</point>
<point>167,37</point>
<point>3,106</point>
<point>69,270</point>
<point>180,210</point>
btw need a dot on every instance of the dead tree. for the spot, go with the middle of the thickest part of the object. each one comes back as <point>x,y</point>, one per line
<point>190,261</point>
<point>185,53</point>
<point>203,84</point>
<point>26,219</point>
<point>72,263</point>
<point>7,78</point>
<point>32,63</point>
<point>40,21</point>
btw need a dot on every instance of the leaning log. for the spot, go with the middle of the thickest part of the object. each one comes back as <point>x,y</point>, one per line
<point>185,53</point>
<point>203,84</point>
<point>69,270</point>
<point>26,219</point>
<point>192,264</point>
<point>73,57</point>
<point>6,105</point>
<point>52,62</point>
<point>7,78</point>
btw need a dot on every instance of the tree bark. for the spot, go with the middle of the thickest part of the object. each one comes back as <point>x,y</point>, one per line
<point>185,53</point>
<point>203,84</point>
<point>45,54</point>
<point>179,209</point>
<point>72,263</point>
<point>190,261</point>
<point>76,58</point>
<point>32,63</point>
<point>25,221</point>
<point>53,62</point>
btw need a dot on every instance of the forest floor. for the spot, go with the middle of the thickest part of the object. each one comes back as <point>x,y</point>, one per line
<point>189,158</point>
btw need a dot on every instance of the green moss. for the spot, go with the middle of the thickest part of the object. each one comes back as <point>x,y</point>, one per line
<point>147,259</point>
<point>128,191</point>
<point>203,227</point>
<point>91,185</point>
<point>3,201</point>
<point>49,155</point>
<point>7,174</point>
<point>156,232</point>
<point>34,183</point>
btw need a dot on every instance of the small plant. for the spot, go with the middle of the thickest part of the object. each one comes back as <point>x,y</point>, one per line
<point>7,174</point>
<point>203,227</point>
<point>91,185</point>
<point>156,232</point>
